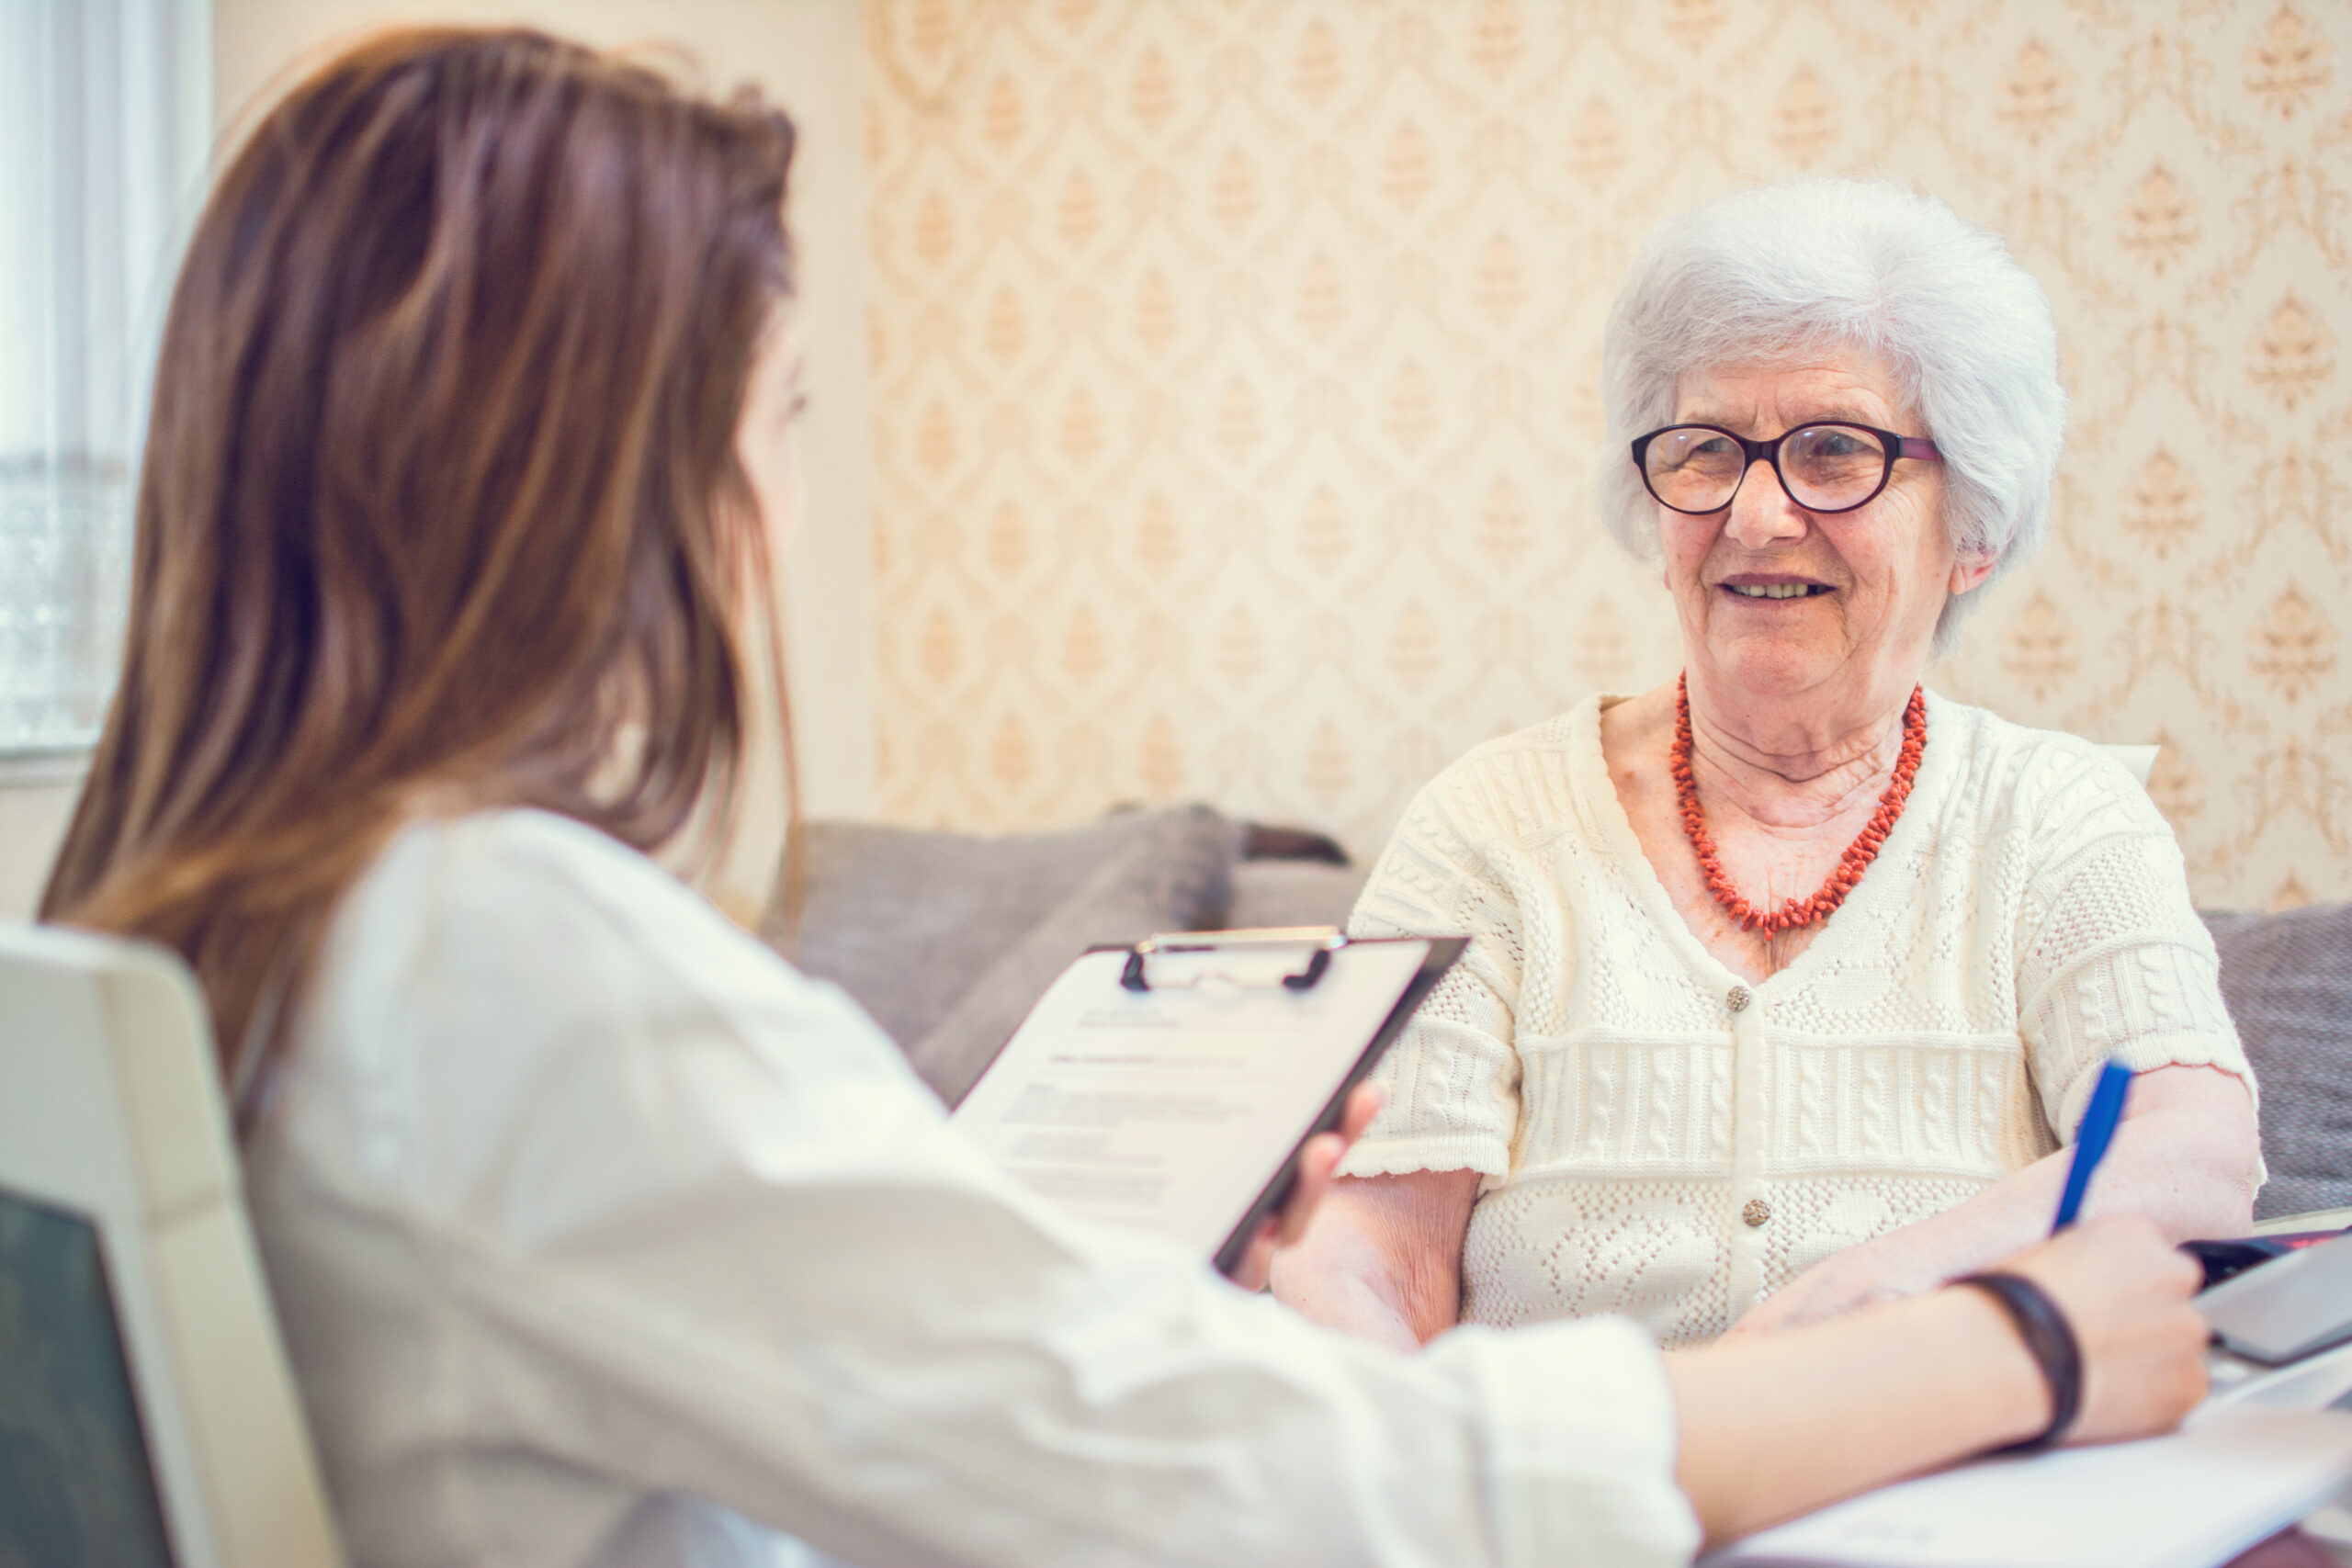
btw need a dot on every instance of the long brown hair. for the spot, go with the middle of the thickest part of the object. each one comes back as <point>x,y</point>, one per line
<point>440,506</point>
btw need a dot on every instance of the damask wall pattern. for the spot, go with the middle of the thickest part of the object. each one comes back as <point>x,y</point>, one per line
<point>1234,371</point>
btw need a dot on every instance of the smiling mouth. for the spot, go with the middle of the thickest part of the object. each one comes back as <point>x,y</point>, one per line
<point>1777,590</point>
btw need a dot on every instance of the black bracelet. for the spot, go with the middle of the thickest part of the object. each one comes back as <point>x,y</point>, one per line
<point>2051,1338</point>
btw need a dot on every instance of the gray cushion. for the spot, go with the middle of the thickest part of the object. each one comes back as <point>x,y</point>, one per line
<point>2288,980</point>
<point>947,939</point>
<point>1293,892</point>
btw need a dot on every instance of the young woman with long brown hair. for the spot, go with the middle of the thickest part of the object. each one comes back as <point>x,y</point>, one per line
<point>599,1234</point>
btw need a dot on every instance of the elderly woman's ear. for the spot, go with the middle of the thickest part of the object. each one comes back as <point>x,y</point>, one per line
<point>1969,571</point>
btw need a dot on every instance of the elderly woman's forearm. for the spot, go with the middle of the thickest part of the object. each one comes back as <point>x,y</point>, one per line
<point>1340,1277</point>
<point>2188,1155</point>
<point>1383,1260</point>
<point>2193,1177</point>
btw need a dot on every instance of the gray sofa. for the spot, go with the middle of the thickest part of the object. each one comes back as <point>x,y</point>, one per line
<point>949,938</point>
<point>2288,980</point>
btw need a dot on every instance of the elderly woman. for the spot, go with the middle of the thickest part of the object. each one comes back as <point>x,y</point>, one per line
<point>1789,980</point>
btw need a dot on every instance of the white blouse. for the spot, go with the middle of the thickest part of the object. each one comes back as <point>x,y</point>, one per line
<point>1662,1140</point>
<point>600,1235</point>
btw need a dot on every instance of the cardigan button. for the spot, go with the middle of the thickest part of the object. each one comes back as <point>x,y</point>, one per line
<point>1737,1001</point>
<point>1757,1212</point>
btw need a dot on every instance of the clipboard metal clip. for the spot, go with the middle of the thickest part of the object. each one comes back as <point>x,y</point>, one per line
<point>1295,957</point>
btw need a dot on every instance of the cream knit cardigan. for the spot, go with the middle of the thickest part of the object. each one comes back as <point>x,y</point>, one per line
<point>1662,1140</point>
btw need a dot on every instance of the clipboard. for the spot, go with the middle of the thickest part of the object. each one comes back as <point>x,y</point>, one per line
<point>1170,1085</point>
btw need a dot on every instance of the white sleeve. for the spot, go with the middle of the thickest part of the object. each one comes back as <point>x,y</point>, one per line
<point>706,1231</point>
<point>1452,1077</point>
<point>2112,960</point>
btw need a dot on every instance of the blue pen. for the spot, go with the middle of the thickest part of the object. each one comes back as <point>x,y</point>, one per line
<point>2091,1140</point>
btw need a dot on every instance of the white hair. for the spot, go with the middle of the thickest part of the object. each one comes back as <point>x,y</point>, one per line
<point>1810,265</point>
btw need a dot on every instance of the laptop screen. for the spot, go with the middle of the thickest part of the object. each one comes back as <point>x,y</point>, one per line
<point>75,1487</point>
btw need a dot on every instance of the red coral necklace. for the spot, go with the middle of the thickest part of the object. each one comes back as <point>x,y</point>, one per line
<point>1796,912</point>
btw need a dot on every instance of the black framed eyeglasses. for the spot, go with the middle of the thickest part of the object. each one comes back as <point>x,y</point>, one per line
<point>1827,467</point>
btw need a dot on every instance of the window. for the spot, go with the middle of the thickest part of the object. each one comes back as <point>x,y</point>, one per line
<point>106,121</point>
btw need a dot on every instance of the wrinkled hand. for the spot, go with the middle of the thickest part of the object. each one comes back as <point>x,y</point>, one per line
<point>1886,1269</point>
<point>2126,1290</point>
<point>1316,1163</point>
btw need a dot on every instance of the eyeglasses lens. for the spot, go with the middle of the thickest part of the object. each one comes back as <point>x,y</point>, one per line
<point>1832,466</point>
<point>1692,468</point>
<point>1828,467</point>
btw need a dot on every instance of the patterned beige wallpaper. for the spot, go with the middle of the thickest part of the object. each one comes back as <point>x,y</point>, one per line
<point>1233,364</point>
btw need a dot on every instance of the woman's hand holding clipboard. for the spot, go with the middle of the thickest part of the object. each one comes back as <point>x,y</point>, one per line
<point>1202,1085</point>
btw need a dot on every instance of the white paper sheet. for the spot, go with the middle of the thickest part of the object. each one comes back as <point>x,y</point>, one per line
<point>1170,1110</point>
<point>2196,1498</point>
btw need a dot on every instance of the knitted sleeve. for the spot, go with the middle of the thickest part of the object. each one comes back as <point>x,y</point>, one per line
<point>2112,960</point>
<point>1452,1077</point>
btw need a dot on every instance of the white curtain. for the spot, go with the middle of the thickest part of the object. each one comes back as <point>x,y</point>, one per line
<point>105,125</point>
